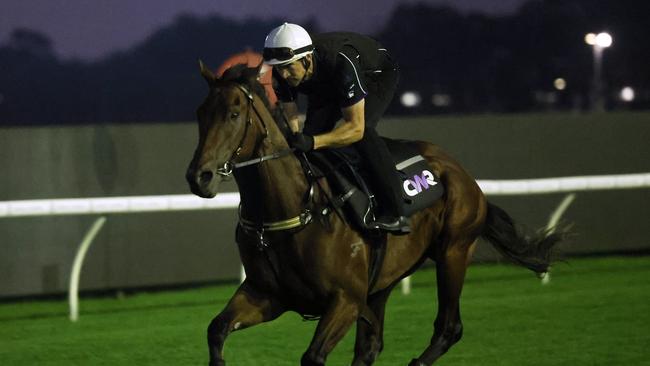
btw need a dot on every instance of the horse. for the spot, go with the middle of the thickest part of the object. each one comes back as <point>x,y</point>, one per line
<point>299,256</point>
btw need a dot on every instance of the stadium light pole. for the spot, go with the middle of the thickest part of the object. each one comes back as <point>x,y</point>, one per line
<point>598,42</point>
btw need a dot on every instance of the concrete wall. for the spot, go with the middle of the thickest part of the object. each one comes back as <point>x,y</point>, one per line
<point>132,250</point>
<point>152,249</point>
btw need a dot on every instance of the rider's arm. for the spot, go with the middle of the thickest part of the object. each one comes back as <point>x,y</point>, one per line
<point>351,94</point>
<point>349,131</point>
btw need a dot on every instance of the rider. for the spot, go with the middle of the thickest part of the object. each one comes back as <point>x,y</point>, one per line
<point>349,80</point>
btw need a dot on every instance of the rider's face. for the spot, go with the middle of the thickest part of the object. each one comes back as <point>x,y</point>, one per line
<point>293,72</point>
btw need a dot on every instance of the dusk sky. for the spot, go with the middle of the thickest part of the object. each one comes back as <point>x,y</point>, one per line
<point>92,28</point>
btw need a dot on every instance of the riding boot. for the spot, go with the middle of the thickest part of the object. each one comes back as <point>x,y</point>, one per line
<point>395,224</point>
<point>385,182</point>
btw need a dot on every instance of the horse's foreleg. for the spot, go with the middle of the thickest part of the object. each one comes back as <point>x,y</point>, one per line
<point>246,308</point>
<point>370,329</point>
<point>333,325</point>
<point>448,328</point>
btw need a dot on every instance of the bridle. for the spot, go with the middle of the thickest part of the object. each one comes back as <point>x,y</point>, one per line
<point>305,216</point>
<point>229,166</point>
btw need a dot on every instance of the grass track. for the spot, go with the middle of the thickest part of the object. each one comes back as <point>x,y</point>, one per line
<point>594,312</point>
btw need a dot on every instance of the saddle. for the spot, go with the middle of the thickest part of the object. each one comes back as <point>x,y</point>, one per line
<point>352,187</point>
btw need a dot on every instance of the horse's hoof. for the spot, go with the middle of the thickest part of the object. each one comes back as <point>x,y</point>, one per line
<point>218,363</point>
<point>415,362</point>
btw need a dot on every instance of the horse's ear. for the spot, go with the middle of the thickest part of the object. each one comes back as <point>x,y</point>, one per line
<point>208,75</point>
<point>262,69</point>
<point>259,66</point>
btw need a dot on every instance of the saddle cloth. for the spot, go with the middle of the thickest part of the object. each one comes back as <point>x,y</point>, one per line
<point>352,186</point>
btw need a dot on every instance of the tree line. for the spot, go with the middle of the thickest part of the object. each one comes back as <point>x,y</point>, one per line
<point>456,62</point>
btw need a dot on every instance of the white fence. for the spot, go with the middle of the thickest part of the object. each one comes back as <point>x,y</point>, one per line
<point>132,204</point>
<point>103,205</point>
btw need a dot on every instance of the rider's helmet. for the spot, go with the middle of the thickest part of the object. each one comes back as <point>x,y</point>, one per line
<point>287,43</point>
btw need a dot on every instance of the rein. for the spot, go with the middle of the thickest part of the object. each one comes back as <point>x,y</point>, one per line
<point>303,219</point>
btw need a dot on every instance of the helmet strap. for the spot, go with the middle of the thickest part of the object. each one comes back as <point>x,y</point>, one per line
<point>306,64</point>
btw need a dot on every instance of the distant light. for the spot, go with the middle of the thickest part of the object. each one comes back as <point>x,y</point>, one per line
<point>410,99</point>
<point>559,84</point>
<point>627,94</point>
<point>441,100</point>
<point>604,40</point>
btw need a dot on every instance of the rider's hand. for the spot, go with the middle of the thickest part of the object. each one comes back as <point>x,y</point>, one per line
<point>302,142</point>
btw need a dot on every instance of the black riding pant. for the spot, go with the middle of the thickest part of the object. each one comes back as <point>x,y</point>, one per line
<point>372,149</point>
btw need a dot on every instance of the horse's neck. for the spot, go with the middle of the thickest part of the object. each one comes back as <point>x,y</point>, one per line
<point>273,190</point>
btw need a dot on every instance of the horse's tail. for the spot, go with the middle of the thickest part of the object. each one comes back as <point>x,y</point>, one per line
<point>532,251</point>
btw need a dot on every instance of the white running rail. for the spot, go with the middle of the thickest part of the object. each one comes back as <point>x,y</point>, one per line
<point>564,184</point>
<point>132,204</point>
<point>129,204</point>
<point>106,205</point>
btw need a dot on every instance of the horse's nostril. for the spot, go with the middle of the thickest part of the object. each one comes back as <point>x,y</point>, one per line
<point>205,177</point>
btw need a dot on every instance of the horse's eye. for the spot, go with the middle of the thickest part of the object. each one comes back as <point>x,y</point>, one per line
<point>234,115</point>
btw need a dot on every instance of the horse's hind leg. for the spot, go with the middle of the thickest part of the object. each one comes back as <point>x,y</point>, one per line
<point>450,271</point>
<point>246,308</point>
<point>370,329</point>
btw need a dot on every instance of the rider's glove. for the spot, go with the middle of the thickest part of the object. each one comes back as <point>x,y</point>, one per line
<point>302,142</point>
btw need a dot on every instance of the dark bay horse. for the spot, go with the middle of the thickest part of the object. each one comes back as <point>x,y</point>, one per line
<point>312,262</point>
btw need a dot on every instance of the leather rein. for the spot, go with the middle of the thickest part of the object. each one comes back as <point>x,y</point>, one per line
<point>302,219</point>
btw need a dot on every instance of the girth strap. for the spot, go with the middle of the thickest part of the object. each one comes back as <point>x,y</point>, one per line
<point>303,219</point>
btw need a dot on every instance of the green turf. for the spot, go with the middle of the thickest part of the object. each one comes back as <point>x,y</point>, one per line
<point>594,312</point>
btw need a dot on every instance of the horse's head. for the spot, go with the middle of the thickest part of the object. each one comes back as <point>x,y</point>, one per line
<point>227,132</point>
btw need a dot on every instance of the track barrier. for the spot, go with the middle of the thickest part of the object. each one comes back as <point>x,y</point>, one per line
<point>230,200</point>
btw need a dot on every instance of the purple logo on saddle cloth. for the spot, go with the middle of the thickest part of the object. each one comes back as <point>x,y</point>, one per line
<point>419,183</point>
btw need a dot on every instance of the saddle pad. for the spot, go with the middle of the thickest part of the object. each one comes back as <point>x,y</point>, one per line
<point>420,186</point>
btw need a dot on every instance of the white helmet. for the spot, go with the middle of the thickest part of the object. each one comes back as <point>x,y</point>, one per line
<point>287,43</point>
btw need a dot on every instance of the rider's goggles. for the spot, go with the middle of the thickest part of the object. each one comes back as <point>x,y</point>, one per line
<point>284,53</point>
